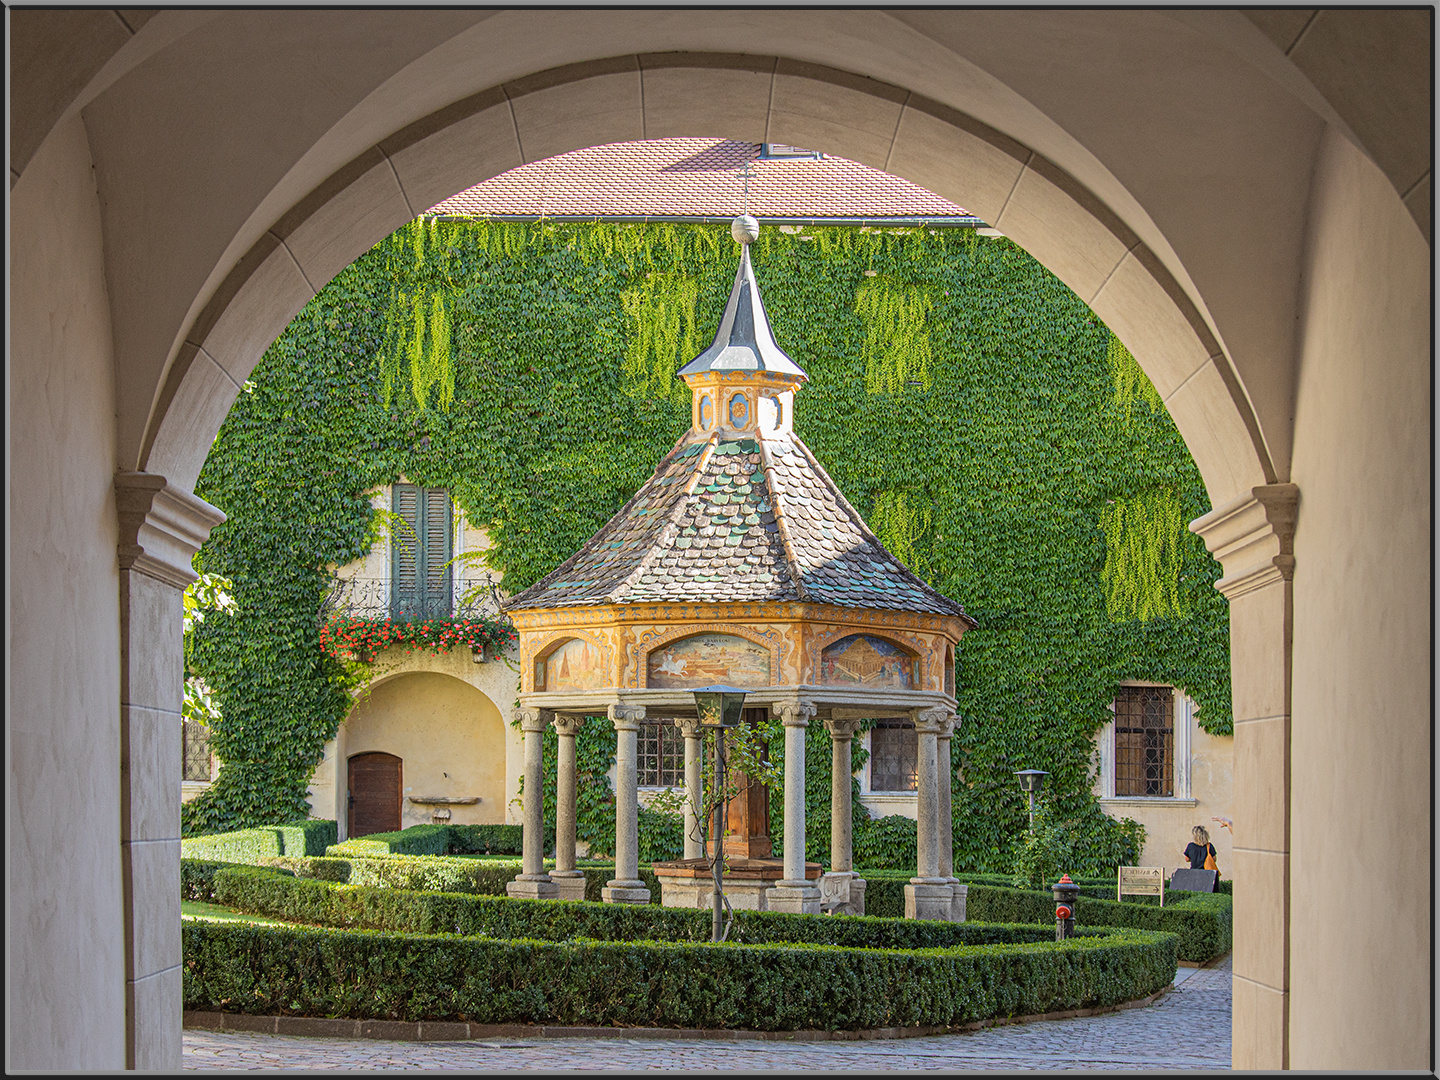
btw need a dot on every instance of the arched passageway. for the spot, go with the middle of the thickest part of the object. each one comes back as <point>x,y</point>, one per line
<point>1175,172</point>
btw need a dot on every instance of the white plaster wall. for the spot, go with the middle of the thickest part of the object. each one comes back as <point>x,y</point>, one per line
<point>1362,862</point>
<point>65,933</point>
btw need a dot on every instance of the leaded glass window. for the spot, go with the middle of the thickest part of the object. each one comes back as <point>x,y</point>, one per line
<point>196,738</point>
<point>661,749</point>
<point>892,756</point>
<point>1144,741</point>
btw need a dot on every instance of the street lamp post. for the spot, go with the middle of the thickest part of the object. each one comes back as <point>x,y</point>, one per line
<point>718,708</point>
<point>1031,781</point>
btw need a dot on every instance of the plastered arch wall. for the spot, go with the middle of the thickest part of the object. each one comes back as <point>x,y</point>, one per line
<point>440,713</point>
<point>1030,198</point>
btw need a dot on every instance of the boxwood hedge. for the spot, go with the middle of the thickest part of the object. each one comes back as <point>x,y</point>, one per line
<point>309,837</point>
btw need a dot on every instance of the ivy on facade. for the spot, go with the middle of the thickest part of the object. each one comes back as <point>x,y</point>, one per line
<point>1000,439</point>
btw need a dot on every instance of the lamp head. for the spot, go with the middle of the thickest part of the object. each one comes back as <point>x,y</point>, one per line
<point>1031,779</point>
<point>719,706</point>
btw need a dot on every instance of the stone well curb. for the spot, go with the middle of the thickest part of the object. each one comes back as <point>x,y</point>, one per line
<point>453,1031</point>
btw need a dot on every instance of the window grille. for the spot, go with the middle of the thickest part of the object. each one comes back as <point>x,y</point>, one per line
<point>661,754</point>
<point>196,754</point>
<point>1144,741</point>
<point>420,553</point>
<point>893,750</point>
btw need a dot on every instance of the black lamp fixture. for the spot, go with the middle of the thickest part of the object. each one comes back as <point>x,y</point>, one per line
<point>719,708</point>
<point>1031,781</point>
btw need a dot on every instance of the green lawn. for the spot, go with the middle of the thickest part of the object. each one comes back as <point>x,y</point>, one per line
<point>195,909</point>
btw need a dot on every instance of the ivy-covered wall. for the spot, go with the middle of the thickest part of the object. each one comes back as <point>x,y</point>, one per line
<point>994,433</point>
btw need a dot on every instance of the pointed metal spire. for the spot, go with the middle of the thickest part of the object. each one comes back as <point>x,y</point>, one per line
<point>744,341</point>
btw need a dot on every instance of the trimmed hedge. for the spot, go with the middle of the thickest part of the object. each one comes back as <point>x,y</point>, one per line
<point>309,837</point>
<point>437,840</point>
<point>773,987</point>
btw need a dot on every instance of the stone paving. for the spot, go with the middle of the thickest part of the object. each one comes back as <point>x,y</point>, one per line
<point>1188,1029</point>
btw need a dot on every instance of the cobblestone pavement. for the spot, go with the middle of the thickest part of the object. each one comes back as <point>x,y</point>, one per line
<point>1186,1029</point>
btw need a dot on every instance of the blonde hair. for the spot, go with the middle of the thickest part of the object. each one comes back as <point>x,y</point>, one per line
<point>1199,833</point>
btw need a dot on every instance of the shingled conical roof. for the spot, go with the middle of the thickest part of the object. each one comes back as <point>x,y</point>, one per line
<point>738,516</point>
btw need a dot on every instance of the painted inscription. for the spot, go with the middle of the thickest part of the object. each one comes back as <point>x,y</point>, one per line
<point>575,665</point>
<point>707,659</point>
<point>864,660</point>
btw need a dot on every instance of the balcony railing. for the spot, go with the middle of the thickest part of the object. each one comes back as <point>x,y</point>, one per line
<point>471,597</point>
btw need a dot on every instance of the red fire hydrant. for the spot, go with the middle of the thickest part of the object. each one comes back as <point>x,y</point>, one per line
<point>1065,892</point>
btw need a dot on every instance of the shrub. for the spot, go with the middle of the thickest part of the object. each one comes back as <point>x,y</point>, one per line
<point>485,840</point>
<point>439,840</point>
<point>309,837</point>
<point>784,987</point>
<point>441,873</point>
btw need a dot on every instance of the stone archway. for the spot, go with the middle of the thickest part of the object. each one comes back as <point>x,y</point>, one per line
<point>1294,349</point>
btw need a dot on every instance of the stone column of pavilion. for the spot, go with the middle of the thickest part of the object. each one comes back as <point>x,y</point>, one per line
<point>533,883</point>
<point>929,894</point>
<point>842,888</point>
<point>626,887</point>
<point>794,892</point>
<point>945,775</point>
<point>694,787</point>
<point>569,881</point>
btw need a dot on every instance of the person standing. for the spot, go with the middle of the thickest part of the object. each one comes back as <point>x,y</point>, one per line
<point>1201,852</point>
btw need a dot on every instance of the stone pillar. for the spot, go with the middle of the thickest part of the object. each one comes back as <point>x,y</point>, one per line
<point>533,883</point>
<point>945,774</point>
<point>842,889</point>
<point>1253,538</point>
<point>626,887</point>
<point>160,529</point>
<point>794,892</point>
<point>928,896</point>
<point>694,787</point>
<point>569,881</point>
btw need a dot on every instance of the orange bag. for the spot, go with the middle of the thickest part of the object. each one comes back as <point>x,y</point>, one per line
<point>1210,863</point>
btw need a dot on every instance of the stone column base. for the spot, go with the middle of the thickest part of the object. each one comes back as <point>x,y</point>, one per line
<point>842,892</point>
<point>928,898</point>
<point>625,892</point>
<point>957,900</point>
<point>571,884</point>
<point>798,897</point>
<point>532,887</point>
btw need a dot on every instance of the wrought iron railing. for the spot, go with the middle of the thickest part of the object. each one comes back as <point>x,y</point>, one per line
<point>368,597</point>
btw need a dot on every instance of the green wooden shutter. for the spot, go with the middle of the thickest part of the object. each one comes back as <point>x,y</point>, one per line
<point>405,551</point>
<point>436,535</point>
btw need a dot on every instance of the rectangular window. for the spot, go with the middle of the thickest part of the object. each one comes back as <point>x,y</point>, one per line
<point>1144,741</point>
<point>893,750</point>
<point>420,553</point>
<point>196,739</point>
<point>661,749</point>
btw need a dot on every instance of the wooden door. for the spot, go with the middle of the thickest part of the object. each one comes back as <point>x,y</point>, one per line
<point>375,786</point>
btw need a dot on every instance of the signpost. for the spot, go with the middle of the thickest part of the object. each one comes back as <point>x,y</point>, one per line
<point>1141,881</point>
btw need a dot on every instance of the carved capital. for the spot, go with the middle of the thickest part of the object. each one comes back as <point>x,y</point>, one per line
<point>626,717</point>
<point>161,527</point>
<point>689,726</point>
<point>1253,538</point>
<point>568,724</point>
<point>947,730</point>
<point>934,721</point>
<point>794,713</point>
<point>532,719</point>
<point>841,730</point>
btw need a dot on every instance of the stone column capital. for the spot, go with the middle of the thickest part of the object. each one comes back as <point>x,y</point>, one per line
<point>1253,538</point>
<point>841,730</point>
<point>689,726</point>
<point>161,527</point>
<point>794,713</point>
<point>568,724</point>
<point>626,717</point>
<point>533,719</point>
<point>934,721</point>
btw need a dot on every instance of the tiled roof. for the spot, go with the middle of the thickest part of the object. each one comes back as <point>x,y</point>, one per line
<point>742,521</point>
<point>695,178</point>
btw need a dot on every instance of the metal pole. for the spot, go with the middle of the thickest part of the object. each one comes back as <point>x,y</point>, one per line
<point>1032,810</point>
<point>717,872</point>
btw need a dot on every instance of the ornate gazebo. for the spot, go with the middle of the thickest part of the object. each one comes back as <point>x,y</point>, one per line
<point>739,562</point>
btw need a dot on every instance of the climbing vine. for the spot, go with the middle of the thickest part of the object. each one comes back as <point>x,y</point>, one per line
<point>990,428</point>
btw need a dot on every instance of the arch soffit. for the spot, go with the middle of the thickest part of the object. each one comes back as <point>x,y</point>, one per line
<point>1029,198</point>
<point>410,672</point>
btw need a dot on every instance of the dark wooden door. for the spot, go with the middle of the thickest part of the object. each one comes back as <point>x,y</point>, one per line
<point>375,784</point>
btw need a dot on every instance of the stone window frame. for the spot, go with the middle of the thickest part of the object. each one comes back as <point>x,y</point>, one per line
<point>1182,727</point>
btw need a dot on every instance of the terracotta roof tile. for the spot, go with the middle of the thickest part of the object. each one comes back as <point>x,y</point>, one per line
<point>695,178</point>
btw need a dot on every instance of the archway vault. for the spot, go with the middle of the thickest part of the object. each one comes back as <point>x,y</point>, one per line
<point>1030,198</point>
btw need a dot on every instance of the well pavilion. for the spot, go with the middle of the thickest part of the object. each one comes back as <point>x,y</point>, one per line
<point>739,562</point>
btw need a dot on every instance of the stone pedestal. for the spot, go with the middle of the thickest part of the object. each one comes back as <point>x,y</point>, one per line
<point>957,900</point>
<point>748,883</point>
<point>569,883</point>
<point>528,887</point>
<point>624,892</point>
<point>798,898</point>
<point>929,899</point>
<point>842,892</point>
